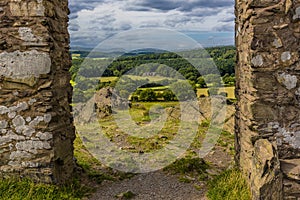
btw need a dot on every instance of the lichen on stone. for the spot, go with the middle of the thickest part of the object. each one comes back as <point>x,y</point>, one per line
<point>257,61</point>
<point>289,81</point>
<point>286,56</point>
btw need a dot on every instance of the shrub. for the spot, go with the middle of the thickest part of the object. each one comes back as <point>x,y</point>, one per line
<point>147,95</point>
<point>168,95</point>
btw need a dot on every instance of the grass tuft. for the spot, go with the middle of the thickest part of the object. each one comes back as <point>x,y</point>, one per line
<point>188,164</point>
<point>230,185</point>
<point>126,195</point>
<point>27,190</point>
<point>189,167</point>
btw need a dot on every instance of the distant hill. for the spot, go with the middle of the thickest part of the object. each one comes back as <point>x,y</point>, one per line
<point>86,52</point>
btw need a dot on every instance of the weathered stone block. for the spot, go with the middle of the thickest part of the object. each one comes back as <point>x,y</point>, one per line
<point>33,8</point>
<point>24,64</point>
<point>291,168</point>
<point>291,189</point>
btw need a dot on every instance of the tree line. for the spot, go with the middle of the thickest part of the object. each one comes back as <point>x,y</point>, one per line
<point>176,66</point>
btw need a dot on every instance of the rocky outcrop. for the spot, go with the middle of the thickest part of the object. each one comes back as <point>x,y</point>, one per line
<point>106,100</point>
<point>101,105</point>
<point>36,131</point>
<point>268,89</point>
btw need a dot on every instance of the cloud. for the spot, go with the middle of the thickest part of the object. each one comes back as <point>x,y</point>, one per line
<point>78,5</point>
<point>105,18</point>
<point>149,24</point>
<point>137,8</point>
<point>227,19</point>
<point>74,26</point>
<point>207,4</point>
<point>204,12</point>
<point>175,21</point>
<point>184,5</point>
<point>159,4</point>
<point>228,27</point>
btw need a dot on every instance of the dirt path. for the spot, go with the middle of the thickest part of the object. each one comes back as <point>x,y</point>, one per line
<point>161,185</point>
<point>150,186</point>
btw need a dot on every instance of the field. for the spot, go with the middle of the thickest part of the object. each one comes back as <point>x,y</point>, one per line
<point>228,90</point>
<point>108,79</point>
<point>200,91</point>
<point>133,77</point>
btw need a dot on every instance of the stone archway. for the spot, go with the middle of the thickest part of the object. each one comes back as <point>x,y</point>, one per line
<point>268,91</point>
<point>35,120</point>
<point>37,133</point>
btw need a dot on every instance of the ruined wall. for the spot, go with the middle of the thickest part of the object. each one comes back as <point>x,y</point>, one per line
<point>268,91</point>
<point>36,131</point>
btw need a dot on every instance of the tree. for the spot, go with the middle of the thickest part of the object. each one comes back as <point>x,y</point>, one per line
<point>183,90</point>
<point>229,80</point>
<point>213,79</point>
<point>147,95</point>
<point>201,82</point>
<point>168,95</point>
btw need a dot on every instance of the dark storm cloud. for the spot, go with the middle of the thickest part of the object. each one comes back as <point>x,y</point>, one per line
<point>183,5</point>
<point>147,5</point>
<point>189,6</point>
<point>159,4</point>
<point>78,5</point>
<point>137,8</point>
<point>84,42</point>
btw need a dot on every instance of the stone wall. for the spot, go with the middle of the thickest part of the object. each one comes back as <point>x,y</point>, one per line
<point>36,131</point>
<point>268,91</point>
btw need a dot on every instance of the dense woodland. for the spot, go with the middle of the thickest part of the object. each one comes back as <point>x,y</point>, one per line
<point>196,66</point>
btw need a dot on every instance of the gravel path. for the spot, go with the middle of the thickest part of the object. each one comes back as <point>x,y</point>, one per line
<point>150,186</point>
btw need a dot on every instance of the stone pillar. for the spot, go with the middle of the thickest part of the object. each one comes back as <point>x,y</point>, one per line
<point>36,125</point>
<point>268,91</point>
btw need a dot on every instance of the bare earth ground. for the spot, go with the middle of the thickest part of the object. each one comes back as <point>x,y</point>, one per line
<point>150,186</point>
<point>160,185</point>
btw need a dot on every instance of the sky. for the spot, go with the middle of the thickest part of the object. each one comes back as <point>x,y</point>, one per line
<point>209,22</point>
